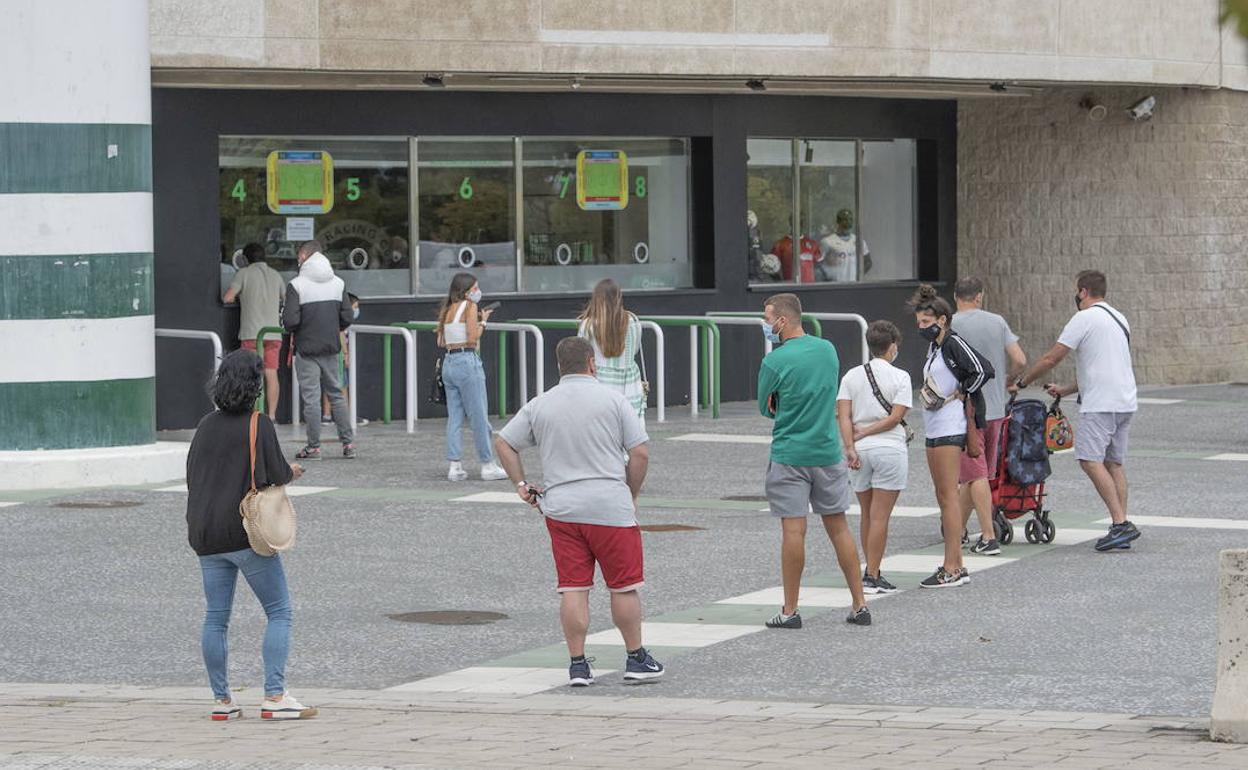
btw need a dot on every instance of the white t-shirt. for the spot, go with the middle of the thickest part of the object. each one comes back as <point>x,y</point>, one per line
<point>1102,359</point>
<point>950,419</point>
<point>894,386</point>
<point>840,255</point>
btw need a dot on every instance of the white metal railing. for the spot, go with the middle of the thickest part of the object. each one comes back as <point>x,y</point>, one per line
<point>539,342</point>
<point>196,334</point>
<point>409,379</point>
<point>852,317</point>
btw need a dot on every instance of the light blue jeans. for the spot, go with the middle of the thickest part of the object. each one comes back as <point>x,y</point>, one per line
<point>268,582</point>
<point>464,378</point>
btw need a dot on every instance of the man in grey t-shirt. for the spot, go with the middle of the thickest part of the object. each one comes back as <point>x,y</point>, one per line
<point>259,290</point>
<point>990,335</point>
<point>594,459</point>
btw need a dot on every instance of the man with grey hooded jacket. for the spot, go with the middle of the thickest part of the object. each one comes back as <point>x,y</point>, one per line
<point>317,309</point>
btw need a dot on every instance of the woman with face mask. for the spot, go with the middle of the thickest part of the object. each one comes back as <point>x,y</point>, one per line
<point>460,325</point>
<point>951,397</point>
<point>871,407</point>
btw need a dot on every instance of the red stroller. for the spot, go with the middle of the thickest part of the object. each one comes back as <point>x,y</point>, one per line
<point>1022,467</point>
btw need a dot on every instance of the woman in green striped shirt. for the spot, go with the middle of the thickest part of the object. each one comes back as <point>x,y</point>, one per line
<point>615,334</point>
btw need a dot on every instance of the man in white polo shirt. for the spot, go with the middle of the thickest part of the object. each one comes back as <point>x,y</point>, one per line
<point>1101,339</point>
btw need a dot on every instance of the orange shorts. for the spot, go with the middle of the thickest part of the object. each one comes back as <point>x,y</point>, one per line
<point>271,350</point>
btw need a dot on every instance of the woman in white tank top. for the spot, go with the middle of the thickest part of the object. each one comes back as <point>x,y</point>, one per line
<point>460,324</point>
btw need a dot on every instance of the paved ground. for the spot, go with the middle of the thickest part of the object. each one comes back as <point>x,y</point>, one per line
<point>111,595</point>
<point>165,729</point>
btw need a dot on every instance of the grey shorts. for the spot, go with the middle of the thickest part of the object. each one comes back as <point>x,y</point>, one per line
<point>882,468</point>
<point>797,490</point>
<point>1101,437</point>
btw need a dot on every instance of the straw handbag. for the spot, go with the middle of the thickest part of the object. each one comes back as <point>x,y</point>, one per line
<point>268,516</point>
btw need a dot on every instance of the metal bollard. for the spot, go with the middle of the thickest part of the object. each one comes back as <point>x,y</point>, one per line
<point>1229,721</point>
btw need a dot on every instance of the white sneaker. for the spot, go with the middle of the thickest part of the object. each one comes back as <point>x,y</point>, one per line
<point>286,708</point>
<point>491,472</point>
<point>224,710</point>
<point>457,472</point>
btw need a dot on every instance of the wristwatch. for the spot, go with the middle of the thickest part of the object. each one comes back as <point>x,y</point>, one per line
<point>1018,383</point>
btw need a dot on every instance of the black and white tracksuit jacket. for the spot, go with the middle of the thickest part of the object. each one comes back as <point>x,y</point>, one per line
<point>317,308</point>
<point>970,369</point>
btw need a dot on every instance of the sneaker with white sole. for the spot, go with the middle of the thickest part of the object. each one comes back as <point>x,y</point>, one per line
<point>780,620</point>
<point>286,708</point>
<point>491,472</point>
<point>225,710</point>
<point>942,579</point>
<point>986,548</point>
<point>645,670</point>
<point>457,472</point>
<point>580,673</point>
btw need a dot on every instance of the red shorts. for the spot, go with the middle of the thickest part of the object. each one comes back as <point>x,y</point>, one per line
<point>576,547</point>
<point>271,350</point>
<point>984,466</point>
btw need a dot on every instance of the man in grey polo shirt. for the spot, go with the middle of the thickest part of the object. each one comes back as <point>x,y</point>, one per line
<point>594,459</point>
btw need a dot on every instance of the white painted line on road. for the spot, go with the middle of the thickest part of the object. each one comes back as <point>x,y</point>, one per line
<point>494,680</point>
<point>676,634</point>
<point>1159,401</point>
<point>4,504</point>
<point>913,562</point>
<point>900,511</point>
<point>294,490</point>
<point>1230,457</point>
<point>490,497</point>
<point>723,438</point>
<point>1185,522</point>
<point>811,596</point>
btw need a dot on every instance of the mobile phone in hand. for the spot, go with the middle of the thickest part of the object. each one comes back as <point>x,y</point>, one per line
<point>491,307</point>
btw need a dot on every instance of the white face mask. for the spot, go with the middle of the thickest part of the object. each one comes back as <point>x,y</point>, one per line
<point>475,296</point>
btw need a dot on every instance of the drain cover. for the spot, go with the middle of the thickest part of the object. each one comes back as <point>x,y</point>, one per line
<point>670,528</point>
<point>745,498</point>
<point>98,504</point>
<point>449,617</point>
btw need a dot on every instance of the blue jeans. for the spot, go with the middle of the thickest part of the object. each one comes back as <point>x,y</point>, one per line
<point>268,582</point>
<point>464,378</point>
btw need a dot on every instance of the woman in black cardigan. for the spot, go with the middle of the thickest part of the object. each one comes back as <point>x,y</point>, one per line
<point>218,475</point>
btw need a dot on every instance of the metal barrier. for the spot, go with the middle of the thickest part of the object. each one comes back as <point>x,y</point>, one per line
<point>521,329</point>
<point>815,320</point>
<point>659,351</point>
<point>409,340</point>
<point>294,379</point>
<point>731,320</point>
<point>196,334</point>
<point>707,356</point>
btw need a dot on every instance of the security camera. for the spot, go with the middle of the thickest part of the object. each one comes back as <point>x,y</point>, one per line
<point>1143,109</point>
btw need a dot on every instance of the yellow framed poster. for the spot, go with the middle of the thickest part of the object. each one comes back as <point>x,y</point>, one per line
<point>601,180</point>
<point>300,182</point>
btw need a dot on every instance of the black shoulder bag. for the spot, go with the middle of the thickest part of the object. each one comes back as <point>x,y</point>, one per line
<point>888,408</point>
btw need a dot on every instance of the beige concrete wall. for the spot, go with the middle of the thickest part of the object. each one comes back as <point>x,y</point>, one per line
<point>1161,207</point>
<point>1123,41</point>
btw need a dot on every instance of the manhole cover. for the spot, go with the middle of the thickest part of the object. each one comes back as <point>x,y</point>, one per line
<point>449,617</point>
<point>669,528</point>
<point>745,498</point>
<point>98,504</point>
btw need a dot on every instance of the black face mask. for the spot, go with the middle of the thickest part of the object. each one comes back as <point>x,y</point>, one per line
<point>930,333</point>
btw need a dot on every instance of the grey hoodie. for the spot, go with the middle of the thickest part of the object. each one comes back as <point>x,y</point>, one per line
<point>317,308</point>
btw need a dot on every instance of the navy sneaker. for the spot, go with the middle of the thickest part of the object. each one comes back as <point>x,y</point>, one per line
<point>885,587</point>
<point>859,617</point>
<point>780,620</point>
<point>1119,535</point>
<point>989,548</point>
<point>942,579</point>
<point>645,670</point>
<point>869,584</point>
<point>580,674</point>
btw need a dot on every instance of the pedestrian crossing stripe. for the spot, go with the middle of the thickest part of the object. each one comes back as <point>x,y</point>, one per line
<point>811,596</point>
<point>1230,457</point>
<point>723,438</point>
<point>494,680</point>
<point>1159,401</point>
<point>294,490</point>
<point>1184,522</point>
<point>5,504</point>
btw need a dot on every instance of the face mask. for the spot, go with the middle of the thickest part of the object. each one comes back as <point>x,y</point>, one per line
<point>930,333</point>
<point>355,314</point>
<point>475,296</point>
<point>771,334</point>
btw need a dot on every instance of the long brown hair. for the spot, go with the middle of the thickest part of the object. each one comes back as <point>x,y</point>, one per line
<point>606,318</point>
<point>458,292</point>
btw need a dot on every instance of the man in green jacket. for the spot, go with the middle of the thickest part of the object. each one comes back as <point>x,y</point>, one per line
<point>797,386</point>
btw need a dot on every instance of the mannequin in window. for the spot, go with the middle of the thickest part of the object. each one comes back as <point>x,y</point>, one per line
<point>840,250</point>
<point>807,257</point>
<point>763,268</point>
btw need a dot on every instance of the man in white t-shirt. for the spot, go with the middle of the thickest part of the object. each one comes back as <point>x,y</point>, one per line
<point>875,438</point>
<point>1101,339</point>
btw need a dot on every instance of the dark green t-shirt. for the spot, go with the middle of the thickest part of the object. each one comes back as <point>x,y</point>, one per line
<point>803,373</point>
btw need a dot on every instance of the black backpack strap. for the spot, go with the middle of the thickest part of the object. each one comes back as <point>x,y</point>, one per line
<point>879,396</point>
<point>1120,325</point>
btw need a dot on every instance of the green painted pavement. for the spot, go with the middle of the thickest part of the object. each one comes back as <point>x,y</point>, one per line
<point>556,656</point>
<point>74,158</point>
<point>75,286</point>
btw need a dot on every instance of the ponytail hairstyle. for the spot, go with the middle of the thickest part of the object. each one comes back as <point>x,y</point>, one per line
<point>926,300</point>
<point>458,292</point>
<point>605,318</point>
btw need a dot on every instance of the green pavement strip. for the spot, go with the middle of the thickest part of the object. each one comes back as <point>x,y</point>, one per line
<point>556,656</point>
<point>731,614</point>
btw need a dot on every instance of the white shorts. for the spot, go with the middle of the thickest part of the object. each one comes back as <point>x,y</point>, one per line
<point>883,467</point>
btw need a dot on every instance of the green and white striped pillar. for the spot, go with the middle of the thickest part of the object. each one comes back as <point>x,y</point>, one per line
<point>77,348</point>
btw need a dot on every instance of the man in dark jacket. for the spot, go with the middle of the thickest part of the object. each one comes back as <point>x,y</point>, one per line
<point>317,309</point>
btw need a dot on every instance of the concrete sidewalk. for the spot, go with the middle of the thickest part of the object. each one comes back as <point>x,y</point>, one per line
<point>47,726</point>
